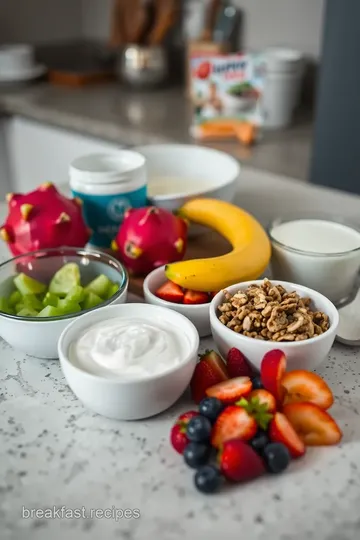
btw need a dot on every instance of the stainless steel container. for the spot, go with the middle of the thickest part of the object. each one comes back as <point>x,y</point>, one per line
<point>143,66</point>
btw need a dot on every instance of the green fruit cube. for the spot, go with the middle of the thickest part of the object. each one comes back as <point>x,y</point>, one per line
<point>50,299</point>
<point>27,312</point>
<point>27,285</point>
<point>113,289</point>
<point>49,311</point>
<point>92,300</point>
<point>4,306</point>
<point>100,286</point>
<point>65,279</point>
<point>76,294</point>
<point>32,302</point>
<point>66,308</point>
<point>15,298</point>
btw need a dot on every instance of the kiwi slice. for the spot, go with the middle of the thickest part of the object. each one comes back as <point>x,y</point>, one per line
<point>66,308</point>
<point>27,312</point>
<point>50,299</point>
<point>113,289</point>
<point>5,307</point>
<point>49,311</point>
<point>76,294</point>
<point>27,285</point>
<point>92,300</point>
<point>100,286</point>
<point>15,298</point>
<point>65,279</point>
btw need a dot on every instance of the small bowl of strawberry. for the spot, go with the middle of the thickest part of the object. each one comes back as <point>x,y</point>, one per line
<point>195,305</point>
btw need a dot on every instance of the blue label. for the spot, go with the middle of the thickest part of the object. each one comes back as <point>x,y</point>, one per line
<point>105,213</point>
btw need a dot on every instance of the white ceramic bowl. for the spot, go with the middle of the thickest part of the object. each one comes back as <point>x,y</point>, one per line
<point>236,104</point>
<point>307,354</point>
<point>130,399</point>
<point>39,336</point>
<point>199,314</point>
<point>182,172</point>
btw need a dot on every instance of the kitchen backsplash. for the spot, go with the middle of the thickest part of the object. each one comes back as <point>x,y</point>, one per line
<point>296,23</point>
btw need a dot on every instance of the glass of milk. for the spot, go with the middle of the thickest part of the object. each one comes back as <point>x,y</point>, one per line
<point>322,253</point>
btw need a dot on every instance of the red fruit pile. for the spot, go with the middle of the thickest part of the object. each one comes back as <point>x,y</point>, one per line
<point>253,423</point>
<point>171,292</point>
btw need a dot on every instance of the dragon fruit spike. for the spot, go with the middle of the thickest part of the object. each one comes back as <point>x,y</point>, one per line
<point>46,185</point>
<point>9,197</point>
<point>78,201</point>
<point>63,218</point>
<point>114,246</point>
<point>179,244</point>
<point>5,234</point>
<point>26,210</point>
<point>33,221</point>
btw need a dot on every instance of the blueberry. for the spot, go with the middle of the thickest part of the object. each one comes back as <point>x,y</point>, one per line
<point>256,383</point>
<point>198,429</point>
<point>207,479</point>
<point>210,408</point>
<point>277,457</point>
<point>196,454</point>
<point>260,440</point>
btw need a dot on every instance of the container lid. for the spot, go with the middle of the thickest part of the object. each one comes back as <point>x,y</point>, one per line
<point>106,168</point>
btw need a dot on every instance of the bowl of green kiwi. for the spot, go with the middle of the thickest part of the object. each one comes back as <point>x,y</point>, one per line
<point>42,291</point>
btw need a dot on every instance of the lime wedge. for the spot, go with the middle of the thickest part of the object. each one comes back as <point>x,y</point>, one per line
<point>100,286</point>
<point>15,298</point>
<point>50,299</point>
<point>4,306</point>
<point>75,295</point>
<point>66,308</point>
<point>92,300</point>
<point>113,289</point>
<point>27,312</point>
<point>49,311</point>
<point>65,279</point>
<point>27,285</point>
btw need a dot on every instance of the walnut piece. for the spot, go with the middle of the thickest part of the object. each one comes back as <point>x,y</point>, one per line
<point>270,313</point>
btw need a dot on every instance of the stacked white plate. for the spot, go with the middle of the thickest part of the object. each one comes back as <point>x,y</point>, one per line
<point>17,64</point>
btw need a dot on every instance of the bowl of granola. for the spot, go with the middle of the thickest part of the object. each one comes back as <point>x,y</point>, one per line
<point>258,316</point>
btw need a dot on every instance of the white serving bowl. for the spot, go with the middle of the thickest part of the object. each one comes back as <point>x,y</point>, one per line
<point>130,399</point>
<point>193,171</point>
<point>199,314</point>
<point>37,336</point>
<point>308,354</point>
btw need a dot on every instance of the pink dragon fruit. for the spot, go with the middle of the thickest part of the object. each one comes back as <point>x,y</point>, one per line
<point>150,237</point>
<point>43,218</point>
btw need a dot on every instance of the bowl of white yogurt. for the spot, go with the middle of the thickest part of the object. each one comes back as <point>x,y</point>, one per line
<point>129,361</point>
<point>320,252</point>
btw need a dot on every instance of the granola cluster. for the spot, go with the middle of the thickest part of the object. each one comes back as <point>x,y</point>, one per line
<point>269,312</point>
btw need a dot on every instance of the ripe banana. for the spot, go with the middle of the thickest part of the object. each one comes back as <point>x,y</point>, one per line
<point>248,259</point>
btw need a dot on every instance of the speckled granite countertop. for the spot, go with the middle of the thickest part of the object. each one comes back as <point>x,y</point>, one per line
<point>55,452</point>
<point>115,114</point>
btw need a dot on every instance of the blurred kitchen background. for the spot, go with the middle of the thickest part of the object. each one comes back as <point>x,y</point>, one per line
<point>78,95</point>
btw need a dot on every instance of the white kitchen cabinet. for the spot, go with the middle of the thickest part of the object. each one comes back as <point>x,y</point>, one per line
<point>39,153</point>
<point>5,173</point>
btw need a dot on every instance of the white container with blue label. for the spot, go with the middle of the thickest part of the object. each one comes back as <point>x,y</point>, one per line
<point>108,184</point>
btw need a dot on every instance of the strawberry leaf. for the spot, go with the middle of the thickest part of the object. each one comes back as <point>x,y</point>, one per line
<point>259,411</point>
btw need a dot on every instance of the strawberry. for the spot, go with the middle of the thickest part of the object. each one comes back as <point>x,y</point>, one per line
<point>239,462</point>
<point>264,397</point>
<point>237,364</point>
<point>178,436</point>
<point>231,390</point>
<point>209,371</point>
<point>273,367</point>
<point>313,425</point>
<point>171,292</point>
<point>301,385</point>
<point>233,423</point>
<point>195,297</point>
<point>281,431</point>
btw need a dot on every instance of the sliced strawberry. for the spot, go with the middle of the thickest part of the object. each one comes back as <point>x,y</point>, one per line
<point>171,292</point>
<point>209,371</point>
<point>281,431</point>
<point>195,297</point>
<point>313,425</point>
<point>273,367</point>
<point>301,385</point>
<point>178,436</point>
<point>237,365</point>
<point>231,390</point>
<point>265,398</point>
<point>239,462</point>
<point>233,423</point>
